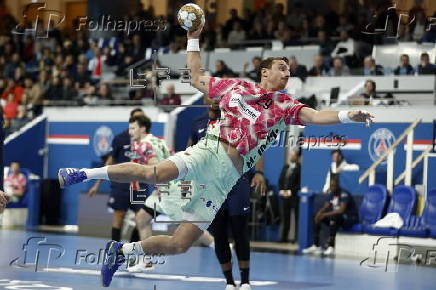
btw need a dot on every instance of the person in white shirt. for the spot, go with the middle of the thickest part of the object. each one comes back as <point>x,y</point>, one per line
<point>345,47</point>
<point>338,164</point>
<point>236,35</point>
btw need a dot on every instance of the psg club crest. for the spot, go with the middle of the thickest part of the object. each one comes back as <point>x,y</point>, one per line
<point>102,141</point>
<point>379,142</point>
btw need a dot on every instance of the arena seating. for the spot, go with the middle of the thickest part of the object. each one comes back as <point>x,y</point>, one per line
<point>402,202</point>
<point>371,208</point>
<point>425,225</point>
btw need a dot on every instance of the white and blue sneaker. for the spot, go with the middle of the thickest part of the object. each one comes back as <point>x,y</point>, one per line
<point>70,176</point>
<point>113,259</point>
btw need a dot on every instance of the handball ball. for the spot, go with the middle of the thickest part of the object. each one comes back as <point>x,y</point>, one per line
<point>191,17</point>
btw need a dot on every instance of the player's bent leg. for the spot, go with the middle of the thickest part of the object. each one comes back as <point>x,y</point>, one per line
<point>143,223</point>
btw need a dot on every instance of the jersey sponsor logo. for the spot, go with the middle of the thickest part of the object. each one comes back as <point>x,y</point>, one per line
<point>201,130</point>
<point>379,142</point>
<point>247,111</point>
<point>102,141</point>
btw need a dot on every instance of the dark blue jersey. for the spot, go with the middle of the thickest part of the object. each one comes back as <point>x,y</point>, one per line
<point>120,154</point>
<point>343,197</point>
<point>121,147</point>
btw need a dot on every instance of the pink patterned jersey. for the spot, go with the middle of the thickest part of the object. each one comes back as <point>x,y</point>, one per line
<point>142,152</point>
<point>252,117</point>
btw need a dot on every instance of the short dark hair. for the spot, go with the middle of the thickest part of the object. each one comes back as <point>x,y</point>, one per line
<point>268,62</point>
<point>142,121</point>
<point>135,110</point>
<point>337,151</point>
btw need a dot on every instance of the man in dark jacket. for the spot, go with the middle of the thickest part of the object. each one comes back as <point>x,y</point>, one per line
<point>289,185</point>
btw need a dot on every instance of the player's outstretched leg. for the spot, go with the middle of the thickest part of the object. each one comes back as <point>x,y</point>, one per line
<point>162,172</point>
<point>115,254</point>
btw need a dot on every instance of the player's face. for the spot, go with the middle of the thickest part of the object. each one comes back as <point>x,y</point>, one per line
<point>278,75</point>
<point>135,131</point>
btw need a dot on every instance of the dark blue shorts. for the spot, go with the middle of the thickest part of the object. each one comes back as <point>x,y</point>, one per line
<point>120,199</point>
<point>238,200</point>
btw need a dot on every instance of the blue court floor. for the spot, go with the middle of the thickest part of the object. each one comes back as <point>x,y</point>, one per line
<point>32,260</point>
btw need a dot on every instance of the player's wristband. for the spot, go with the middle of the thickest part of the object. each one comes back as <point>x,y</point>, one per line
<point>343,117</point>
<point>193,45</point>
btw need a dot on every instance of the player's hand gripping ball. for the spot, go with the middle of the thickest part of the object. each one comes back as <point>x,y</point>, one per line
<point>191,17</point>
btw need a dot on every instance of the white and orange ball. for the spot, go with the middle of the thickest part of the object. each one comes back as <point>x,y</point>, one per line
<point>191,17</point>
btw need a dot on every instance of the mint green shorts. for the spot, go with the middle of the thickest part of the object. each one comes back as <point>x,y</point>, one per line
<point>211,174</point>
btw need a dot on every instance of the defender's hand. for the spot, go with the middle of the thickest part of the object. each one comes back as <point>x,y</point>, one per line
<point>93,191</point>
<point>259,183</point>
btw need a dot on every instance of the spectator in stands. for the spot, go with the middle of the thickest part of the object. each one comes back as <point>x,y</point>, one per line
<point>344,25</point>
<point>20,120</point>
<point>370,68</point>
<point>69,93</point>
<point>54,92</point>
<point>296,15</point>
<point>337,165</point>
<point>289,186</point>
<point>11,66</point>
<point>222,70</point>
<point>345,47</point>
<point>254,74</point>
<point>297,70</point>
<point>230,24</point>
<point>137,50</point>
<point>418,27</point>
<point>270,29</point>
<point>69,65</point>
<point>82,77</point>
<point>15,182</point>
<point>319,25</point>
<point>258,31</point>
<point>425,67</point>
<point>337,211</point>
<point>325,45</point>
<point>104,92</point>
<point>95,65</point>
<point>319,68</point>
<point>90,96</point>
<point>32,92</point>
<point>10,108</point>
<point>15,89</point>
<point>404,68</point>
<point>171,98</point>
<point>220,38</point>
<point>339,68</point>
<point>236,36</point>
<point>281,29</point>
